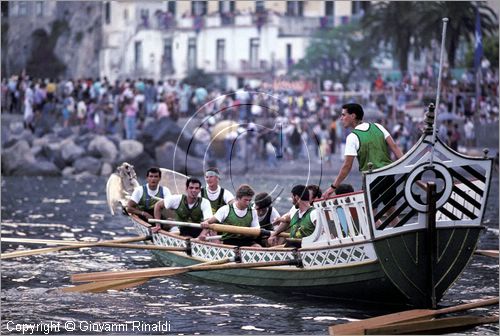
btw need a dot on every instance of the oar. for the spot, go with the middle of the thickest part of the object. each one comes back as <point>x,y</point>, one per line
<point>244,231</point>
<point>70,247</point>
<point>359,327</point>
<point>41,241</point>
<point>168,271</point>
<point>100,286</point>
<point>488,253</point>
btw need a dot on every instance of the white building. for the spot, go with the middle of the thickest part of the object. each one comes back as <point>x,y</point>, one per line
<point>237,41</point>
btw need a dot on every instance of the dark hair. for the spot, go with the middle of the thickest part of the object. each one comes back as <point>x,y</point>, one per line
<point>316,191</point>
<point>244,190</point>
<point>153,170</point>
<point>192,180</point>
<point>301,191</point>
<point>263,200</point>
<point>354,108</point>
<point>344,189</point>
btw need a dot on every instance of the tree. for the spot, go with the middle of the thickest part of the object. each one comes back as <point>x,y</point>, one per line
<point>395,25</point>
<point>338,54</point>
<point>461,24</point>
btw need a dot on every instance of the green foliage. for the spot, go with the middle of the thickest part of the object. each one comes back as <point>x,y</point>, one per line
<point>338,54</point>
<point>198,77</point>
<point>490,51</point>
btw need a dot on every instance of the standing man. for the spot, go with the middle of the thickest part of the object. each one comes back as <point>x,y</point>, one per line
<point>303,221</point>
<point>217,196</point>
<point>238,213</point>
<point>369,142</point>
<point>188,208</point>
<point>144,198</point>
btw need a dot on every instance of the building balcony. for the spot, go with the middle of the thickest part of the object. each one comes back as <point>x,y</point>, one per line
<point>298,26</point>
<point>160,21</point>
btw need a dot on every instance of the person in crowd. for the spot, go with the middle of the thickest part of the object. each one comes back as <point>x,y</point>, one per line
<point>303,221</point>
<point>188,208</point>
<point>238,213</point>
<point>143,199</point>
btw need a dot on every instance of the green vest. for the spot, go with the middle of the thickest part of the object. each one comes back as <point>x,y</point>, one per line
<point>147,203</point>
<point>372,148</point>
<point>218,203</point>
<point>301,227</point>
<point>233,219</point>
<point>184,214</point>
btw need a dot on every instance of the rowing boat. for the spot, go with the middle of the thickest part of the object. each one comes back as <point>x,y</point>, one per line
<point>382,255</point>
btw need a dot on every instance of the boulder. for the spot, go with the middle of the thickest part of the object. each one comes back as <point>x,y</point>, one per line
<point>87,164</point>
<point>170,157</point>
<point>39,168</point>
<point>130,149</point>
<point>70,151</point>
<point>52,153</point>
<point>105,147</point>
<point>106,169</point>
<point>16,127</point>
<point>16,156</point>
<point>65,132</point>
<point>68,171</point>
<point>5,135</point>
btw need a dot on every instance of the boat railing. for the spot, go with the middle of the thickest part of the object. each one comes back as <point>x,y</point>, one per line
<point>397,193</point>
<point>342,220</point>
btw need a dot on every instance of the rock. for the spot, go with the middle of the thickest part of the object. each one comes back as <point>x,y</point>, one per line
<point>52,153</point>
<point>105,147</point>
<point>70,151</point>
<point>87,164</point>
<point>84,140</point>
<point>130,149</point>
<point>36,150</point>
<point>167,156</point>
<point>16,156</point>
<point>16,127</point>
<point>39,168</point>
<point>68,171</point>
<point>106,169</point>
<point>23,135</point>
<point>5,135</point>
<point>142,163</point>
<point>65,133</point>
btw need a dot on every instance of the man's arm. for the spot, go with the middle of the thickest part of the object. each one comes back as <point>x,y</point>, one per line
<point>132,208</point>
<point>158,208</point>
<point>344,172</point>
<point>394,147</point>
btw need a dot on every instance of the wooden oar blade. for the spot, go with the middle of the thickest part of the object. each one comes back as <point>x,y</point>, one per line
<point>488,253</point>
<point>26,253</point>
<point>102,286</point>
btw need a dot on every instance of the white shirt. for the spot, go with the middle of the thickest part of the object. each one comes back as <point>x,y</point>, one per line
<point>173,202</point>
<point>223,212</point>
<point>214,195</point>
<point>137,193</point>
<point>352,141</point>
<point>274,214</point>
<point>313,215</point>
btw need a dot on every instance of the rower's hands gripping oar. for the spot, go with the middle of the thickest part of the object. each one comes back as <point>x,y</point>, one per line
<point>71,247</point>
<point>103,281</point>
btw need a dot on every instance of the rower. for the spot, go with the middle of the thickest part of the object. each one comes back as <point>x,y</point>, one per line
<point>303,221</point>
<point>238,213</point>
<point>217,195</point>
<point>189,208</point>
<point>266,212</point>
<point>144,198</point>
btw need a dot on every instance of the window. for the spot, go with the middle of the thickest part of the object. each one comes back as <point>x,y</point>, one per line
<point>329,8</point>
<point>171,7</point>
<point>39,8</point>
<point>226,6</point>
<point>295,8</point>
<point>125,14</point>
<point>260,6</point>
<point>144,13</point>
<point>22,8</point>
<point>219,56</point>
<point>192,53</point>
<point>138,55</point>
<point>289,59</point>
<point>107,12</point>
<point>5,9</point>
<point>198,8</point>
<point>254,53</point>
<point>167,56</point>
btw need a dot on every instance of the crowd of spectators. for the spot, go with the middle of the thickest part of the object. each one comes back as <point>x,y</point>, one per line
<point>284,124</point>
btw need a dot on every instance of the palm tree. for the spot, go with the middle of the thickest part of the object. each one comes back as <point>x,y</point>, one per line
<point>462,19</point>
<point>395,24</point>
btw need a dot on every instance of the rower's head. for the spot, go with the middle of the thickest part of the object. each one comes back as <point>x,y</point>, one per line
<point>193,186</point>
<point>314,192</point>
<point>244,195</point>
<point>262,202</point>
<point>212,176</point>
<point>299,194</point>
<point>153,177</point>
<point>352,114</point>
